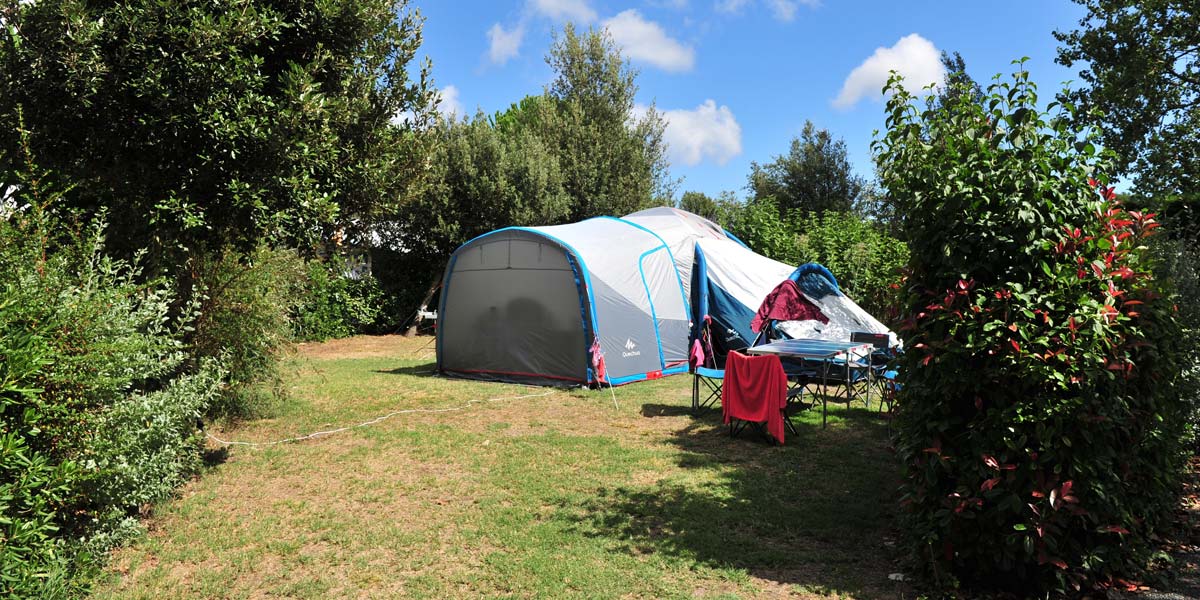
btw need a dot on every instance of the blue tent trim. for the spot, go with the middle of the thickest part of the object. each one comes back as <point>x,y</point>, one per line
<point>687,306</point>
<point>735,238</point>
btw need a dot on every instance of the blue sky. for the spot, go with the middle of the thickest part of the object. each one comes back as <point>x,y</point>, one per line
<point>738,78</point>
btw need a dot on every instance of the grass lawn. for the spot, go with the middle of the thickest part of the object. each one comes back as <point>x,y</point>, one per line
<point>553,496</point>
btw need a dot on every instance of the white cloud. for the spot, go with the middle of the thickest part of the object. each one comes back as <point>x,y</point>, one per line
<point>913,57</point>
<point>647,42</point>
<point>707,132</point>
<point>565,10</point>
<point>504,45</point>
<point>449,103</point>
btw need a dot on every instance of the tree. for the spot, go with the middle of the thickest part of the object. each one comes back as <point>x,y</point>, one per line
<point>956,81</point>
<point>612,154</point>
<point>758,223</point>
<point>814,176</point>
<point>202,125</point>
<point>481,177</point>
<point>699,203</point>
<point>1041,416</point>
<point>1142,71</point>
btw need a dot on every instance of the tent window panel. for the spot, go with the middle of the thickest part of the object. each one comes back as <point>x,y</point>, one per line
<point>669,308</point>
<point>514,321</point>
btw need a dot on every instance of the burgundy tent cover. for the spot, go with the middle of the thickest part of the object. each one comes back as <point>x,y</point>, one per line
<point>786,303</point>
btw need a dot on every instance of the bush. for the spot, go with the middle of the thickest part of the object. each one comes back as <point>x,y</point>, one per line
<point>758,224</point>
<point>1040,423</point>
<point>244,323</point>
<point>865,260</point>
<point>98,410</point>
<point>332,305</point>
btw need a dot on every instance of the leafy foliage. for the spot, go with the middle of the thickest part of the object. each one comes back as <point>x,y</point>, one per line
<point>1040,421</point>
<point>757,223</point>
<point>205,126</point>
<point>814,176</point>
<point>245,323</point>
<point>331,305</point>
<point>866,260</point>
<point>98,409</point>
<point>612,155</point>
<point>1143,71</point>
<point>699,203</point>
<point>579,150</point>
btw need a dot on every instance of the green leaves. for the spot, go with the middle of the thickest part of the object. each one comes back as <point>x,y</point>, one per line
<point>1052,342</point>
<point>205,125</point>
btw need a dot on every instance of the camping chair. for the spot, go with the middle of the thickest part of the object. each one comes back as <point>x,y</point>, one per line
<point>877,363</point>
<point>707,371</point>
<point>755,393</point>
<point>799,374</point>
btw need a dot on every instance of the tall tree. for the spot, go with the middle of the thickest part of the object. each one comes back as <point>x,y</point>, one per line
<point>814,176</point>
<point>611,152</point>
<point>483,177</point>
<point>956,82</point>
<point>1141,68</point>
<point>197,124</point>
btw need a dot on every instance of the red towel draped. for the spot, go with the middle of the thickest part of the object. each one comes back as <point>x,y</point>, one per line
<point>755,389</point>
<point>786,303</point>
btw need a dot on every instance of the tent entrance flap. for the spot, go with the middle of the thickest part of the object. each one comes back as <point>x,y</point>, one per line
<point>518,311</point>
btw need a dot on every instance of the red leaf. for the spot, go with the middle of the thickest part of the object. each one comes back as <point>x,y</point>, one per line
<point>1093,182</point>
<point>1115,529</point>
<point>1012,327</point>
<point>990,461</point>
<point>989,484</point>
<point>1015,345</point>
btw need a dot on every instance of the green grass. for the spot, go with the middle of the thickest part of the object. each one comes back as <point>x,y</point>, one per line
<point>554,496</point>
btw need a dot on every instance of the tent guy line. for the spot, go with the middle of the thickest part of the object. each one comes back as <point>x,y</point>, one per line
<point>320,434</point>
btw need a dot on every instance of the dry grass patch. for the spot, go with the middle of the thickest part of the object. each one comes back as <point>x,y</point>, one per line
<point>555,496</point>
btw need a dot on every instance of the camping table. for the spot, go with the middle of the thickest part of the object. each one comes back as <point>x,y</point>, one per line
<point>824,351</point>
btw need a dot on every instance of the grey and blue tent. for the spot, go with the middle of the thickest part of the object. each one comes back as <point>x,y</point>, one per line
<point>539,304</point>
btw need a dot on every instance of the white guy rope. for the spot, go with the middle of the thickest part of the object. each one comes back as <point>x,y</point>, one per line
<point>319,434</point>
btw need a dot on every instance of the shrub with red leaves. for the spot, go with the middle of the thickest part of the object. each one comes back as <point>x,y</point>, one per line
<point>1041,421</point>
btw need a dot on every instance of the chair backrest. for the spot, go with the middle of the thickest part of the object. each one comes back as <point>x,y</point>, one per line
<point>881,341</point>
<point>714,351</point>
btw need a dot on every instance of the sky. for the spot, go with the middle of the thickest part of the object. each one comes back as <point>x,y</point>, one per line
<point>737,79</point>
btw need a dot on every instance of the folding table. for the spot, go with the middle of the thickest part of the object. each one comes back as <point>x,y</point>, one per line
<point>823,351</point>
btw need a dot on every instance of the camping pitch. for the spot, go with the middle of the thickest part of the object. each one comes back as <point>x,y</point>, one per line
<point>611,300</point>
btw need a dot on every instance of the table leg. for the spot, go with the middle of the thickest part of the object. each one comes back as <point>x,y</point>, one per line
<point>824,392</point>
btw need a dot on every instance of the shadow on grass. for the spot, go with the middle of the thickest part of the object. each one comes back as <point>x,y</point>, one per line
<point>214,457</point>
<point>421,370</point>
<point>814,513</point>
<point>665,410</point>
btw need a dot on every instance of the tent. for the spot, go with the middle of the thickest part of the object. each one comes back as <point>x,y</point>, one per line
<point>539,304</point>
<point>729,282</point>
<point>680,230</point>
<point>845,316</point>
<point>529,303</point>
